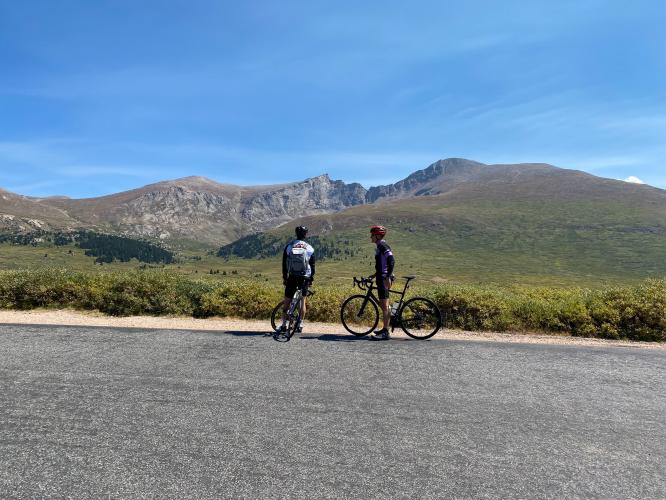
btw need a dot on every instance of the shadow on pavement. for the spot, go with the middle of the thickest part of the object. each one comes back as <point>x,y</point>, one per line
<point>247,334</point>
<point>327,337</point>
<point>331,337</point>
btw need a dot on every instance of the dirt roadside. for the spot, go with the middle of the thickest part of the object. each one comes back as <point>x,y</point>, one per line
<point>78,318</point>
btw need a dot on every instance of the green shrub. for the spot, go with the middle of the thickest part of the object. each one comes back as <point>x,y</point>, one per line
<point>471,308</point>
<point>242,299</point>
<point>43,288</point>
<point>325,304</point>
<point>635,313</point>
<point>147,292</point>
<point>641,310</point>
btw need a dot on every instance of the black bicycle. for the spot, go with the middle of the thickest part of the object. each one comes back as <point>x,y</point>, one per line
<point>293,316</point>
<point>418,317</point>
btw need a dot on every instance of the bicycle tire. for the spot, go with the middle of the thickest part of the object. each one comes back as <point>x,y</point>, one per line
<point>293,327</point>
<point>293,318</point>
<point>351,322</point>
<point>293,322</point>
<point>420,318</point>
<point>276,315</point>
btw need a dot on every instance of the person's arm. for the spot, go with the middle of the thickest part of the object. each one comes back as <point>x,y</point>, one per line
<point>284,264</point>
<point>390,264</point>
<point>312,267</point>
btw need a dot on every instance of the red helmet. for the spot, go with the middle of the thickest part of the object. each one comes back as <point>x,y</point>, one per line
<point>378,230</point>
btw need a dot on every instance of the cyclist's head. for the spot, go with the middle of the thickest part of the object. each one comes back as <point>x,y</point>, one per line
<point>301,232</point>
<point>379,231</point>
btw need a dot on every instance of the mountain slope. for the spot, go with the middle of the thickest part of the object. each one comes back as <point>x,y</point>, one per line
<point>454,218</point>
<point>22,213</point>
<point>437,178</point>
<point>192,208</point>
<point>528,222</point>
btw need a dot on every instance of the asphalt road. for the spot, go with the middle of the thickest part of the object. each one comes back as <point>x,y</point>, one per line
<point>100,412</point>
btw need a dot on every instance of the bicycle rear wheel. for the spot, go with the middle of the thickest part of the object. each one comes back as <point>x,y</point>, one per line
<point>293,322</point>
<point>356,321</point>
<point>420,318</point>
<point>276,316</point>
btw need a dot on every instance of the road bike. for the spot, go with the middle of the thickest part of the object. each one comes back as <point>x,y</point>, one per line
<point>293,317</point>
<point>418,317</point>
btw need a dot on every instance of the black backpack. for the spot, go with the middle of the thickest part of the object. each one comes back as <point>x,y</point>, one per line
<point>297,261</point>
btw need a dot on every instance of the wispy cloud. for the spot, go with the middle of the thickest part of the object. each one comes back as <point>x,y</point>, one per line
<point>125,82</point>
<point>37,153</point>
<point>644,122</point>
<point>596,163</point>
<point>139,171</point>
<point>633,180</point>
<point>32,187</point>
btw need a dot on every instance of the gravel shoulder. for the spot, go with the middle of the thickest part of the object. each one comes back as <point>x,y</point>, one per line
<point>70,317</point>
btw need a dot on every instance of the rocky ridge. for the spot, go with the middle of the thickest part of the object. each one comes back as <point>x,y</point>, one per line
<point>205,211</point>
<point>194,208</point>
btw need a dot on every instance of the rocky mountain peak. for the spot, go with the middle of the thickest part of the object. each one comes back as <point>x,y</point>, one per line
<point>431,180</point>
<point>319,178</point>
<point>192,182</point>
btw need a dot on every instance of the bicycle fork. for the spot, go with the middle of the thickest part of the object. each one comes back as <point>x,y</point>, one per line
<point>362,308</point>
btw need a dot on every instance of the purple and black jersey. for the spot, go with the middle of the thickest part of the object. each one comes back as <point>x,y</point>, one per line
<point>384,260</point>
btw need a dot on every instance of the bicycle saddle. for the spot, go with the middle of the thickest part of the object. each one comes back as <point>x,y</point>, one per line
<point>409,277</point>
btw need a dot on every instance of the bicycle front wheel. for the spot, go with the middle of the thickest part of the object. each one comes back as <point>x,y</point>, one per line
<point>359,315</point>
<point>420,318</point>
<point>293,320</point>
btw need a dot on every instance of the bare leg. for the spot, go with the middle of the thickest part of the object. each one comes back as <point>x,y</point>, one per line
<point>386,311</point>
<point>385,303</point>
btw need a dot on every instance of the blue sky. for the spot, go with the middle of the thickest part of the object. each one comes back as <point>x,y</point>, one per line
<point>102,96</point>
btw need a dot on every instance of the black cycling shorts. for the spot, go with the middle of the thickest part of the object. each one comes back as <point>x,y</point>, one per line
<point>294,283</point>
<point>382,291</point>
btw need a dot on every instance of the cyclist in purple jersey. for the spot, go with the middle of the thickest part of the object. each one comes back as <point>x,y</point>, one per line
<point>384,264</point>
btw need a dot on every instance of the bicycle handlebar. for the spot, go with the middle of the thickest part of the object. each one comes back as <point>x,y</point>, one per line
<point>362,282</point>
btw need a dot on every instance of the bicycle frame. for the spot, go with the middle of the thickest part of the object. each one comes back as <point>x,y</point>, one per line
<point>297,299</point>
<point>418,317</point>
<point>369,284</point>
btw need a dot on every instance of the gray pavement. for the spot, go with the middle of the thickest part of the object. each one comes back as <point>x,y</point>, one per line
<point>100,412</point>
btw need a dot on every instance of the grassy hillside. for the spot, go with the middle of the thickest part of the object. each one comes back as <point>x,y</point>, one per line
<point>502,236</point>
<point>506,224</point>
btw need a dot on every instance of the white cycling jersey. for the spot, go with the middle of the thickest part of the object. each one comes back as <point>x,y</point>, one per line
<point>308,249</point>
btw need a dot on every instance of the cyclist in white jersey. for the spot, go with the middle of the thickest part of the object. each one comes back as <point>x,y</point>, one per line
<point>294,276</point>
